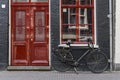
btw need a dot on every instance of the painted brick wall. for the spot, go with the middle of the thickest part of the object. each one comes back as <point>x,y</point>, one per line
<point>4,34</point>
<point>117,33</point>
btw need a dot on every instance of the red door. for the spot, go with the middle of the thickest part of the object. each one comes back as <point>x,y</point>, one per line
<point>30,31</point>
<point>39,36</point>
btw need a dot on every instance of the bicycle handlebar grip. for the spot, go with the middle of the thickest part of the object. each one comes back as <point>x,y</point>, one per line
<point>89,40</point>
<point>68,42</point>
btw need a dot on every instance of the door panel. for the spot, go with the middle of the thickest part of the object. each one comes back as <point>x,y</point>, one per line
<point>39,56</point>
<point>19,39</point>
<point>39,42</point>
<point>20,58</point>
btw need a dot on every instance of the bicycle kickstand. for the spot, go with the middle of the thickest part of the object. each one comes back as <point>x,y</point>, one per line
<point>76,70</point>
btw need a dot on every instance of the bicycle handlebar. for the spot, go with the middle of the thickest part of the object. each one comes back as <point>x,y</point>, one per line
<point>68,42</point>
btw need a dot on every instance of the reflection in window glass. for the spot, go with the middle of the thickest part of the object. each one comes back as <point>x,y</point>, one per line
<point>85,2</point>
<point>69,2</point>
<point>20,0</point>
<point>85,16</point>
<point>20,26</point>
<point>85,21</point>
<point>39,26</point>
<point>69,32</point>
<point>84,34</point>
<point>69,15</point>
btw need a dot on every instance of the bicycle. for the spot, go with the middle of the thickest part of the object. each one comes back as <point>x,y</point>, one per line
<point>63,60</point>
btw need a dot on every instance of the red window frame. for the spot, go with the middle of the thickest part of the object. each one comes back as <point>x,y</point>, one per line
<point>77,5</point>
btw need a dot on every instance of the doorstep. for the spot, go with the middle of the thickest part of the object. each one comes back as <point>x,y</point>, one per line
<point>29,68</point>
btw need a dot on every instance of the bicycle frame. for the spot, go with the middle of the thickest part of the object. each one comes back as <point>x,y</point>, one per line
<point>85,53</point>
<point>81,57</point>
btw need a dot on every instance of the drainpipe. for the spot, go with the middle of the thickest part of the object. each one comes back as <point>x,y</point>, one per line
<point>110,26</point>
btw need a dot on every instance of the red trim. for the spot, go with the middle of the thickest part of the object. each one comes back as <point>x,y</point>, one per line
<point>77,21</point>
<point>80,6</point>
<point>93,24</point>
<point>27,4</point>
<point>30,3</point>
<point>61,23</point>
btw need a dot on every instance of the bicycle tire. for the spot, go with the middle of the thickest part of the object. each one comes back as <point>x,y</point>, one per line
<point>59,64</point>
<point>97,61</point>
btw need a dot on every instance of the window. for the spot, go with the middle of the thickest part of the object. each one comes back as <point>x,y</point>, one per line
<point>20,25</point>
<point>77,20</point>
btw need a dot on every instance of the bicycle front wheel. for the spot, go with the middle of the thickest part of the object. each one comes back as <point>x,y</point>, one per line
<point>97,61</point>
<point>59,64</point>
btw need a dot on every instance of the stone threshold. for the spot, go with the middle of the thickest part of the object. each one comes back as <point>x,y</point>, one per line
<point>28,68</point>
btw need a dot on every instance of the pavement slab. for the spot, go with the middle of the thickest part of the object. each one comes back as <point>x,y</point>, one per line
<point>54,75</point>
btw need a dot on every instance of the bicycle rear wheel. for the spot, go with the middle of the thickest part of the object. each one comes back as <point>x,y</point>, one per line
<point>97,61</point>
<point>59,64</point>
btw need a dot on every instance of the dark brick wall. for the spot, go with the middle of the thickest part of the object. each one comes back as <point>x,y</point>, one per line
<point>103,25</point>
<point>55,23</point>
<point>4,14</point>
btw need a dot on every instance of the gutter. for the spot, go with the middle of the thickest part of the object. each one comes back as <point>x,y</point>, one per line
<point>110,16</point>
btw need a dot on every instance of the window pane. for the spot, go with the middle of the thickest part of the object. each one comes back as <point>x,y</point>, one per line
<point>69,16</point>
<point>69,32</point>
<point>69,2</point>
<point>20,0</point>
<point>85,16</point>
<point>85,2</point>
<point>39,26</point>
<point>39,0</point>
<point>20,26</point>
<point>85,24</point>
<point>84,34</point>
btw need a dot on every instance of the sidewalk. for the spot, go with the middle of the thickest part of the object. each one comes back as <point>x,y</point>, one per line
<point>54,75</point>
